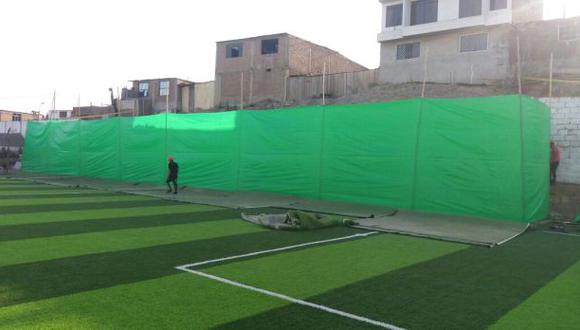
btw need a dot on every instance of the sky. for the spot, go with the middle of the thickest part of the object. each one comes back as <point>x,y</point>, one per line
<point>81,48</point>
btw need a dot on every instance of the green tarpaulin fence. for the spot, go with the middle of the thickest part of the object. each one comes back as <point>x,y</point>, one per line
<point>484,157</point>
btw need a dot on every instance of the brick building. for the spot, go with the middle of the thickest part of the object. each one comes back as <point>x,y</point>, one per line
<point>151,96</point>
<point>6,115</point>
<point>255,70</point>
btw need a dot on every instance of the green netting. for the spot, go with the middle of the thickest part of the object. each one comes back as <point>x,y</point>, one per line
<point>484,157</point>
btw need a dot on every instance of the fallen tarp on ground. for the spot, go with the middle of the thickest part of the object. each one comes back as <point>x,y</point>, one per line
<point>483,157</point>
<point>449,228</point>
<point>297,220</point>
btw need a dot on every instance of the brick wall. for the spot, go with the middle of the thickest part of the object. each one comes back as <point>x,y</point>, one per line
<point>566,133</point>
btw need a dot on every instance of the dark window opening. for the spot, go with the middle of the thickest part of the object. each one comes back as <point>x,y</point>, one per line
<point>497,4</point>
<point>269,46</point>
<point>469,8</point>
<point>424,11</point>
<point>234,50</point>
<point>394,15</point>
<point>473,43</point>
<point>408,51</point>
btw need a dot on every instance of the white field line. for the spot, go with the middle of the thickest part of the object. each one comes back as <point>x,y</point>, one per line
<point>513,237</point>
<point>293,300</point>
<point>561,234</point>
<point>276,250</point>
<point>186,268</point>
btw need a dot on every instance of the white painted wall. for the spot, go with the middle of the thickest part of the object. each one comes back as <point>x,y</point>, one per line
<point>448,19</point>
<point>13,126</point>
<point>566,134</point>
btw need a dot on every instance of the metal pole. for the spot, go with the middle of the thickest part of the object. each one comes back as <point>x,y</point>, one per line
<point>242,91</point>
<point>310,61</point>
<point>472,74</point>
<point>167,102</point>
<point>324,84</point>
<point>550,93</point>
<point>425,73</point>
<point>519,55</point>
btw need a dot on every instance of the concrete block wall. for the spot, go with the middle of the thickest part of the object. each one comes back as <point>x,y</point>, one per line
<point>566,134</point>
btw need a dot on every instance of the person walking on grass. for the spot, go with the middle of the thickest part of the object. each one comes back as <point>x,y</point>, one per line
<point>554,161</point>
<point>172,173</point>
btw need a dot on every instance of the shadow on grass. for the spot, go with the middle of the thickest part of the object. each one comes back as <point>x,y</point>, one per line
<point>469,289</point>
<point>54,278</point>
<point>83,206</point>
<point>27,231</point>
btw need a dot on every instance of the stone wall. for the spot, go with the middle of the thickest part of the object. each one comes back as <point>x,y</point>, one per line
<point>566,134</point>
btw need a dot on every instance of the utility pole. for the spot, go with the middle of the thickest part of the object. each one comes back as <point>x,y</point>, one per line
<point>324,84</point>
<point>242,91</point>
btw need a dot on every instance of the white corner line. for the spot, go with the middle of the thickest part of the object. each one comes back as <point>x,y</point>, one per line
<point>561,234</point>
<point>276,250</point>
<point>186,268</point>
<point>293,300</point>
<point>515,236</point>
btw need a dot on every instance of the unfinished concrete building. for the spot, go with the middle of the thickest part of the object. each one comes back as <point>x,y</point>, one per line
<point>452,41</point>
<point>255,71</point>
<point>151,96</point>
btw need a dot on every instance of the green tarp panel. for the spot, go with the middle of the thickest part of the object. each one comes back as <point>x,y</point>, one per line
<point>483,157</point>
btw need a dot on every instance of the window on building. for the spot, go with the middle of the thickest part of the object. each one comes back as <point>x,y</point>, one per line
<point>469,8</point>
<point>424,11</point>
<point>16,117</point>
<point>497,4</point>
<point>164,88</point>
<point>269,46</point>
<point>569,31</point>
<point>234,50</point>
<point>394,15</point>
<point>62,115</point>
<point>143,89</point>
<point>473,43</point>
<point>408,51</point>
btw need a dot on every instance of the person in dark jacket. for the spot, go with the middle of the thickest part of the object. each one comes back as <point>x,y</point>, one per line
<point>172,174</point>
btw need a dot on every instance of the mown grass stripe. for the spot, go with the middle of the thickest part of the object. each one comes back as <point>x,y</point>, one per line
<point>553,306</point>
<point>333,266</point>
<point>39,249</point>
<point>469,289</point>
<point>28,282</point>
<point>83,213</point>
<point>71,200</point>
<point>60,195</point>
<point>19,232</point>
<point>7,211</point>
<point>32,187</point>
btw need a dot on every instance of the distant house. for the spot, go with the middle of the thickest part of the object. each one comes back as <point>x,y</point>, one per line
<point>151,96</point>
<point>461,41</point>
<point>6,115</point>
<point>255,70</point>
<point>59,114</point>
<point>92,112</point>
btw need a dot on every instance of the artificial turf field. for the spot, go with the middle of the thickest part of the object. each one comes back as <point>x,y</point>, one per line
<point>84,259</point>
